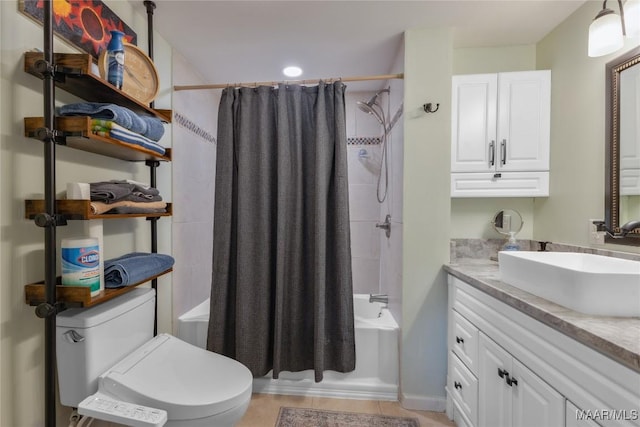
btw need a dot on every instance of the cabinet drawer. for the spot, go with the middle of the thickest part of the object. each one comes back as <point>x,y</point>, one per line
<point>464,389</point>
<point>464,342</point>
<point>508,184</point>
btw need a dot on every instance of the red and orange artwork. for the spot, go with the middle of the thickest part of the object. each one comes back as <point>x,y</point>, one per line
<point>84,23</point>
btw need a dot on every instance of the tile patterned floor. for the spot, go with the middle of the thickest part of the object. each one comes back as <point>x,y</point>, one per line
<point>263,409</point>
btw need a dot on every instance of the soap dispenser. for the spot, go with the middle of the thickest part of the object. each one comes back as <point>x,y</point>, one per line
<point>512,244</point>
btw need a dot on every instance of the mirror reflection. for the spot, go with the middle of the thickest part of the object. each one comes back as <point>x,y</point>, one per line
<point>507,222</point>
<point>622,198</point>
<point>630,144</point>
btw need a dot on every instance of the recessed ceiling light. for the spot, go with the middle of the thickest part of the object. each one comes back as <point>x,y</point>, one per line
<point>292,71</point>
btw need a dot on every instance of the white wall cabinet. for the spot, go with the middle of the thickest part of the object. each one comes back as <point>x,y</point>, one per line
<point>508,369</point>
<point>500,134</point>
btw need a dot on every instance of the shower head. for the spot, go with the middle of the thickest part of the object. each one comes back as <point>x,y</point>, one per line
<point>367,107</point>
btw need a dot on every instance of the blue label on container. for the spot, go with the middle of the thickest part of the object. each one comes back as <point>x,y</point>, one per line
<point>81,267</point>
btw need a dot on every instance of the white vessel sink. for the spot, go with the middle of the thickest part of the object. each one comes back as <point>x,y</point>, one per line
<point>588,283</point>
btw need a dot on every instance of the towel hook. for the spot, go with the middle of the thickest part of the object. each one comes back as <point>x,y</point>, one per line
<point>428,107</point>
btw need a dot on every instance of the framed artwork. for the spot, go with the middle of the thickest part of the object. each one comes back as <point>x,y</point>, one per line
<point>84,23</point>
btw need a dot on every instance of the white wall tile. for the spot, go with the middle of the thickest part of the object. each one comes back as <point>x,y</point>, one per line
<point>364,239</point>
<point>363,170</point>
<point>366,275</point>
<point>363,204</point>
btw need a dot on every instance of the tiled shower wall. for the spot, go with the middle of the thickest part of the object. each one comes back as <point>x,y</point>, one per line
<point>376,259</point>
<point>364,209</point>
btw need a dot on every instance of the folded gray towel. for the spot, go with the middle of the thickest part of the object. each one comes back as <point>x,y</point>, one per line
<point>109,192</point>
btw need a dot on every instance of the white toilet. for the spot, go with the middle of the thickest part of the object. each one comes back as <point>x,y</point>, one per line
<point>109,351</point>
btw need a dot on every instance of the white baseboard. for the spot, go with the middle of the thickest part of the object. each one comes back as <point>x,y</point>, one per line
<point>423,403</point>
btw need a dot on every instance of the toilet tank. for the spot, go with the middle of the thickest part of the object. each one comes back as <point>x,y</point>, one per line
<point>91,340</point>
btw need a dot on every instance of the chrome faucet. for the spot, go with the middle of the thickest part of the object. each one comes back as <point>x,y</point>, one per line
<point>629,227</point>
<point>624,229</point>
<point>383,298</point>
<point>386,225</point>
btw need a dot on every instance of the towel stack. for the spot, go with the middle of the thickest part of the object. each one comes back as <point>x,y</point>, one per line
<point>119,123</point>
<point>134,268</point>
<point>125,197</point>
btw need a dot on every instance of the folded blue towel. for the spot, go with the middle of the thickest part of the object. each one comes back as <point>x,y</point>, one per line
<point>97,110</point>
<point>134,268</point>
<point>150,127</point>
<point>155,129</point>
<point>112,129</point>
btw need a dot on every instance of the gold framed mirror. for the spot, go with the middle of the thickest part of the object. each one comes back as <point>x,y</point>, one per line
<point>622,124</point>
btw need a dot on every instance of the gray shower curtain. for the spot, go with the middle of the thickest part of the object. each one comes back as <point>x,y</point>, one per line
<point>281,294</point>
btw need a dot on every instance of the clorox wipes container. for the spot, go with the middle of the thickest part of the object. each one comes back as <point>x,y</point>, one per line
<point>81,263</point>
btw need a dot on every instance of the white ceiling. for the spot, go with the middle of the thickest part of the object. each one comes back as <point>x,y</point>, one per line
<point>248,41</point>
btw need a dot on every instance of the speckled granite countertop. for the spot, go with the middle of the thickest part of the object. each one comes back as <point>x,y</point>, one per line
<point>615,337</point>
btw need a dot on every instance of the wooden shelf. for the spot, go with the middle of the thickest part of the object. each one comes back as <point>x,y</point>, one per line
<point>81,210</point>
<point>78,296</point>
<point>77,134</point>
<point>74,75</point>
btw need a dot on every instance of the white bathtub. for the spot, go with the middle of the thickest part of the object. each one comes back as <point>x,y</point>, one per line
<point>376,373</point>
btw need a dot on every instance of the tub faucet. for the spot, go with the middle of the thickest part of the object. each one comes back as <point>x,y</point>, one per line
<point>383,298</point>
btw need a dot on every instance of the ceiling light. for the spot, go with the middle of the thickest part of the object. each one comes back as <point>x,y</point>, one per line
<point>606,31</point>
<point>292,71</point>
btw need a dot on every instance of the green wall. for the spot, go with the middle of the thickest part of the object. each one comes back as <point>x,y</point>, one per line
<point>577,132</point>
<point>428,59</point>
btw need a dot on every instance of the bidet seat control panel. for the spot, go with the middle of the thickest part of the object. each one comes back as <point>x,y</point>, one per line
<point>103,407</point>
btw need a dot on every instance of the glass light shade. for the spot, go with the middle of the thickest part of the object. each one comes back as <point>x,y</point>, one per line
<point>632,18</point>
<point>605,34</point>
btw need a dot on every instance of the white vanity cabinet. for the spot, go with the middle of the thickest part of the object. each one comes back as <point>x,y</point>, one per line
<point>508,369</point>
<point>511,395</point>
<point>500,127</point>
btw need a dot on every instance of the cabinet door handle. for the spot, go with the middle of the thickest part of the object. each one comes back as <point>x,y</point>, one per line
<point>492,153</point>
<point>457,385</point>
<point>502,373</point>
<point>511,381</point>
<point>503,152</point>
<point>459,340</point>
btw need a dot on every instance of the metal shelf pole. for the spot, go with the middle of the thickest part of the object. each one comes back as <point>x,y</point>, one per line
<point>50,228</point>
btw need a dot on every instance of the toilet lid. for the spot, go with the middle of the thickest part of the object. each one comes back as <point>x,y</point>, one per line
<point>184,380</point>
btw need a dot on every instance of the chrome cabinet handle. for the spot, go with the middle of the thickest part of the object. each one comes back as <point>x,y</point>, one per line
<point>492,153</point>
<point>503,153</point>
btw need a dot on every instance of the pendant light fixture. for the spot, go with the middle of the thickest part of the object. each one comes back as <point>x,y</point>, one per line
<point>607,31</point>
<point>632,17</point>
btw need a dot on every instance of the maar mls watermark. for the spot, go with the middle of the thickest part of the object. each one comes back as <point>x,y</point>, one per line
<point>608,414</point>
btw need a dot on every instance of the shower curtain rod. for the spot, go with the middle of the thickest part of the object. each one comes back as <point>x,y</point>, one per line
<point>303,82</point>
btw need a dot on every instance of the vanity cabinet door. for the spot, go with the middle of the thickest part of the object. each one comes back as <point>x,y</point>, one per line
<point>494,403</point>
<point>510,394</point>
<point>535,403</point>
<point>572,418</point>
